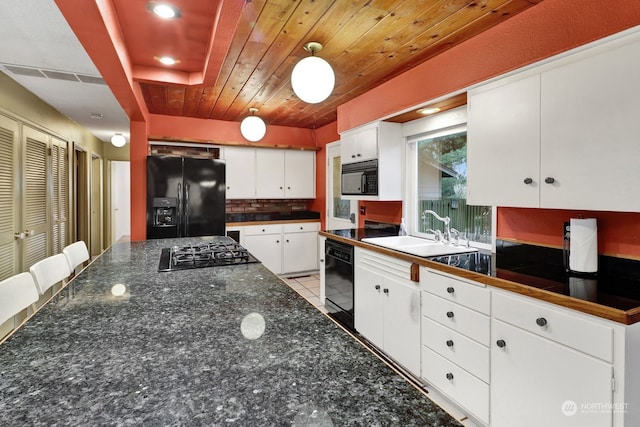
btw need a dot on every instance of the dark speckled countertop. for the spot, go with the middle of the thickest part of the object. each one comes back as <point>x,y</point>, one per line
<point>215,346</point>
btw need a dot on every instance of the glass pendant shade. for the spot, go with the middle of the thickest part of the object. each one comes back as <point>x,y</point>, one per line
<point>253,128</point>
<point>313,79</point>
<point>118,140</point>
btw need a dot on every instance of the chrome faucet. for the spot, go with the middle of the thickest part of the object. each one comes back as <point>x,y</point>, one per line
<point>446,220</point>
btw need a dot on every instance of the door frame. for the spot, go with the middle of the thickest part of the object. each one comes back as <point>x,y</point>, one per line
<point>332,223</point>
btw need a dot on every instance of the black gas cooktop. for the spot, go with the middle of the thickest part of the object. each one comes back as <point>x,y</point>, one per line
<point>202,255</point>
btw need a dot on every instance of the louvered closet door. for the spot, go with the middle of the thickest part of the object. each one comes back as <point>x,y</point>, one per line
<point>8,197</point>
<point>60,193</point>
<point>34,202</point>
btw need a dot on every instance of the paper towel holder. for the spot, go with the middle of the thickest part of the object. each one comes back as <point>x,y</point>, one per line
<point>566,252</point>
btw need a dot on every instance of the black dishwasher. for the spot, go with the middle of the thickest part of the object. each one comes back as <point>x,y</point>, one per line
<point>339,282</point>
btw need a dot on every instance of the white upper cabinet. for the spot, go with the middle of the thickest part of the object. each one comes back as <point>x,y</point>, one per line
<point>359,145</point>
<point>299,174</point>
<point>563,135</point>
<point>590,131</point>
<point>381,141</point>
<point>269,173</point>
<point>503,144</point>
<point>241,172</point>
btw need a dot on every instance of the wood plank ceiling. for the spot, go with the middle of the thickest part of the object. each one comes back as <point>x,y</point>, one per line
<point>367,42</point>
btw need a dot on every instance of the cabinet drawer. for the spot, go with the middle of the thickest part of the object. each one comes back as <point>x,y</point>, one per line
<point>475,297</point>
<point>256,230</point>
<point>464,352</point>
<point>454,316</point>
<point>573,330</point>
<point>465,389</point>
<point>301,227</point>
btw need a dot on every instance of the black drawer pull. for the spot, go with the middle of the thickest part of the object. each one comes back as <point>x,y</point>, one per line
<point>450,289</point>
<point>450,314</point>
<point>528,181</point>
<point>449,376</point>
<point>449,343</point>
<point>549,180</point>
<point>377,287</point>
<point>385,290</point>
<point>541,321</point>
<point>501,343</point>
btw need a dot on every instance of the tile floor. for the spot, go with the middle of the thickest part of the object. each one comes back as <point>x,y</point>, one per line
<point>307,286</point>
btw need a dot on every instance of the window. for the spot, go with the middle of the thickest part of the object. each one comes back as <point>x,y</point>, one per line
<point>439,183</point>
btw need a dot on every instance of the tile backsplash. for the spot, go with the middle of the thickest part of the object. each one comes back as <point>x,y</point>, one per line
<point>266,205</point>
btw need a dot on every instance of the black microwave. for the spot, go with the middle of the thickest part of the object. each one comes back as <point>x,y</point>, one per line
<point>360,178</point>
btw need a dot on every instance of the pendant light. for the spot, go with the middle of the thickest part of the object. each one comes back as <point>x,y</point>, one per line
<point>312,78</point>
<point>253,127</point>
<point>118,140</point>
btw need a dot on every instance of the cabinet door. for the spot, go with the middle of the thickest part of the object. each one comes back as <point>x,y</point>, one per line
<point>536,382</point>
<point>299,174</point>
<point>300,252</point>
<point>9,218</point>
<point>503,144</point>
<point>402,322</point>
<point>590,129</point>
<point>367,305</point>
<point>269,173</point>
<point>241,172</point>
<point>359,145</point>
<point>267,248</point>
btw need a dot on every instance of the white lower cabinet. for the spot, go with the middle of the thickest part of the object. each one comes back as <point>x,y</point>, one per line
<point>537,382</point>
<point>387,307</point>
<point>284,248</point>
<point>455,340</point>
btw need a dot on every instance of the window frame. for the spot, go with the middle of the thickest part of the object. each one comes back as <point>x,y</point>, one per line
<point>432,127</point>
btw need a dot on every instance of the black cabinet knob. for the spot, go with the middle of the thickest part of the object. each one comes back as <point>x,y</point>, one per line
<point>385,290</point>
<point>549,180</point>
<point>501,343</point>
<point>450,290</point>
<point>449,376</point>
<point>541,321</point>
<point>377,287</point>
<point>450,314</point>
<point>528,181</point>
<point>449,343</point>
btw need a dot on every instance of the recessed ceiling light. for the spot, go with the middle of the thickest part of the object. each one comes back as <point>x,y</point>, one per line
<point>166,60</point>
<point>164,10</point>
<point>427,111</point>
<point>97,116</point>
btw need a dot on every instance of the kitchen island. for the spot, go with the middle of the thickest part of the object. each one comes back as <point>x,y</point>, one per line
<point>227,345</point>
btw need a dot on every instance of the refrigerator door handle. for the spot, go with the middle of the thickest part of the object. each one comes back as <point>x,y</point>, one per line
<point>179,209</point>
<point>186,209</point>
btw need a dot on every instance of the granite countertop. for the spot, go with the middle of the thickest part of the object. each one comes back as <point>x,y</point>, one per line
<point>214,346</point>
<point>538,272</point>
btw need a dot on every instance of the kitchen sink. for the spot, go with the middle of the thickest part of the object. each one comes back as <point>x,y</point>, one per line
<point>418,246</point>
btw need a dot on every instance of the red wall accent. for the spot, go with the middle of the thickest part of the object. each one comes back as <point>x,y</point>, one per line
<point>390,212</point>
<point>618,232</point>
<point>138,171</point>
<point>324,136</point>
<point>220,132</point>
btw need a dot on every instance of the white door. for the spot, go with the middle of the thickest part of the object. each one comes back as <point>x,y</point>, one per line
<point>341,214</point>
<point>120,201</point>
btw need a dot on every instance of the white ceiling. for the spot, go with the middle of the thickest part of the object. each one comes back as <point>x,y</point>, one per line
<point>35,37</point>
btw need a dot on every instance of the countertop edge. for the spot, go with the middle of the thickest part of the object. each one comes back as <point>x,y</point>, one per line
<point>627,317</point>
<point>278,221</point>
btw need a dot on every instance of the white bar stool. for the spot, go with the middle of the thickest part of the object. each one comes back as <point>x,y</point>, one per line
<point>50,271</point>
<point>76,253</point>
<point>16,293</point>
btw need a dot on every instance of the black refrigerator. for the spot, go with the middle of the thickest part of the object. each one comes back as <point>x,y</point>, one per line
<point>185,197</point>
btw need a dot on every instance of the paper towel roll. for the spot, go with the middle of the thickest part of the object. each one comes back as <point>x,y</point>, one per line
<point>583,249</point>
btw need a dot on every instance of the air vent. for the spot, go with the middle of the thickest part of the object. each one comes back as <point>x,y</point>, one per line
<point>91,79</point>
<point>24,71</point>
<point>55,75</point>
